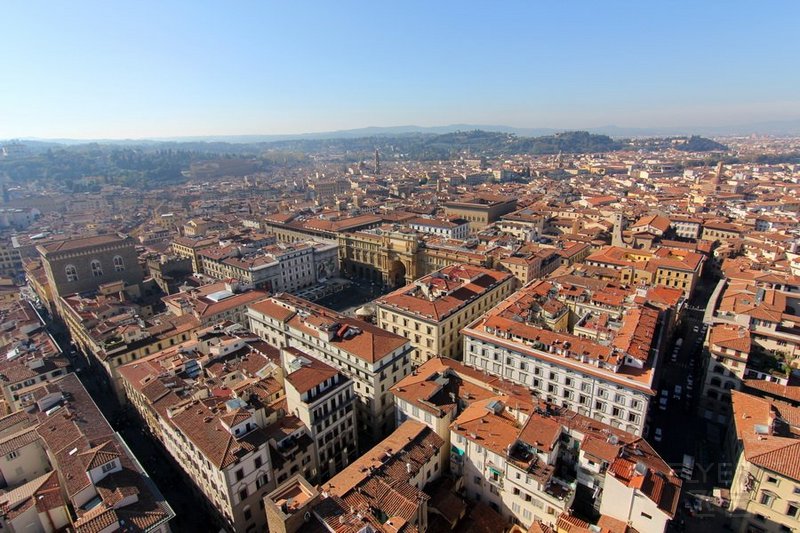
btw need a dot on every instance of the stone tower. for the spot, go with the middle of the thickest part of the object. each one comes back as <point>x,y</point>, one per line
<point>616,235</point>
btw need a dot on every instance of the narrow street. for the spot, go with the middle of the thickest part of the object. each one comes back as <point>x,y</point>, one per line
<point>683,430</point>
<point>190,510</point>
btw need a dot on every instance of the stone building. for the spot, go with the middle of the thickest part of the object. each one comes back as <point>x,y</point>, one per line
<point>83,264</point>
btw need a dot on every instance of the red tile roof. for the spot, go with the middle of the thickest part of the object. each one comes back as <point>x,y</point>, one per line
<point>768,430</point>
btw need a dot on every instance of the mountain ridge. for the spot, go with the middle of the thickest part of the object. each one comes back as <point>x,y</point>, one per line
<point>779,128</point>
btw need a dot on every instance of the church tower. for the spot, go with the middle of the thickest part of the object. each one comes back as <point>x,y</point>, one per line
<point>713,185</point>
<point>616,235</point>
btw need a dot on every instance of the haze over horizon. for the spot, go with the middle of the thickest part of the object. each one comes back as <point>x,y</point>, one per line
<point>92,70</point>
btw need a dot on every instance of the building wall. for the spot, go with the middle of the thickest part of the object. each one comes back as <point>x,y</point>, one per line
<point>604,400</point>
<point>55,265</point>
<point>443,338</point>
<point>15,393</point>
<point>686,230</point>
<point>28,520</point>
<point>24,464</point>
<point>439,424</point>
<point>491,479</point>
<point>722,375</point>
<point>191,252</point>
<point>459,232</point>
<point>391,258</point>
<point>59,518</point>
<point>248,515</point>
<point>710,234</point>
<point>297,270</point>
<point>221,487</point>
<point>768,502</point>
<point>372,381</point>
<point>331,421</point>
<point>626,504</point>
<point>679,279</point>
<point>433,259</point>
<point>10,261</point>
<point>480,216</point>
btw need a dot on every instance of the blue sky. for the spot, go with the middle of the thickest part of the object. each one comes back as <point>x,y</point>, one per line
<point>87,69</point>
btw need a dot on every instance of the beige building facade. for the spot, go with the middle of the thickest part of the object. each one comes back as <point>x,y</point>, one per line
<point>431,311</point>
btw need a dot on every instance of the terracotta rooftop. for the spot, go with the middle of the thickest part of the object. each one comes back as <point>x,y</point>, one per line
<point>379,479</point>
<point>769,431</point>
<point>78,436</point>
<point>68,245</point>
<point>438,295</point>
<point>361,339</point>
<point>309,375</point>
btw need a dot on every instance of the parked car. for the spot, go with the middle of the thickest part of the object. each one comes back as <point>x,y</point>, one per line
<point>662,404</point>
<point>677,393</point>
<point>687,468</point>
<point>657,435</point>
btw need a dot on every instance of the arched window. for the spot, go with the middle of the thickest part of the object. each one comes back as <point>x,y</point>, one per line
<point>119,264</point>
<point>97,268</point>
<point>72,273</point>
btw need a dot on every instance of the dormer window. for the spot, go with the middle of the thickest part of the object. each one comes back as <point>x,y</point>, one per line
<point>108,467</point>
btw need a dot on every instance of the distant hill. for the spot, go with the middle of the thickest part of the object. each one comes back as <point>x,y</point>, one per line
<point>145,164</point>
<point>695,143</point>
<point>155,163</point>
<point>452,145</point>
<point>780,128</point>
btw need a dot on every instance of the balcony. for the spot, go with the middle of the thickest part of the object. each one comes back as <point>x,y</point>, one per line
<point>561,490</point>
<point>456,460</point>
<point>495,477</point>
<point>788,330</point>
<point>316,394</point>
<point>456,454</point>
<point>287,447</point>
<point>342,408</point>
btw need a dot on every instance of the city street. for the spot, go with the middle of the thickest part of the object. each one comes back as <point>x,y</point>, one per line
<point>681,412</point>
<point>170,479</point>
<point>190,511</point>
<point>683,430</point>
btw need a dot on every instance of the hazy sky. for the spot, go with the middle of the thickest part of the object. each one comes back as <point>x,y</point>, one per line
<point>115,69</point>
